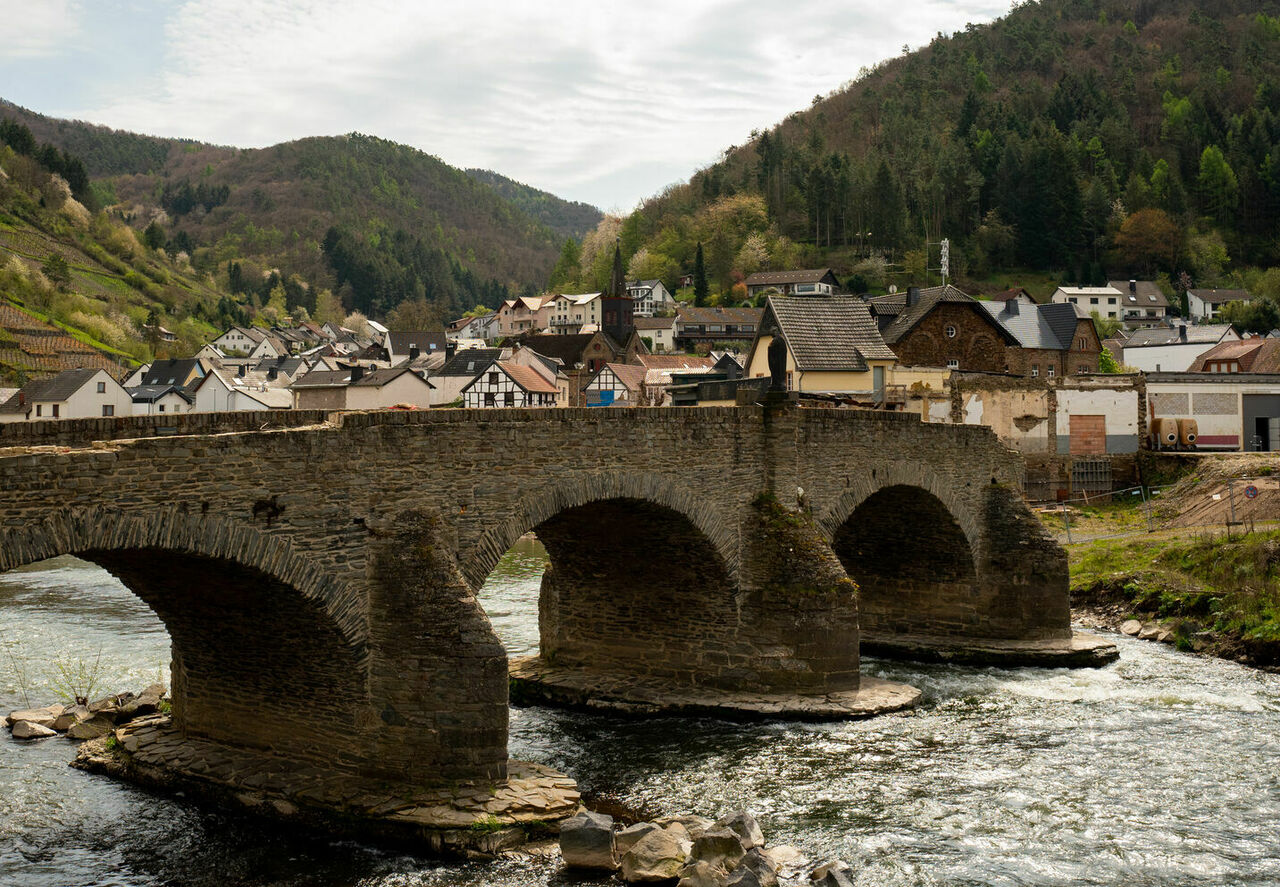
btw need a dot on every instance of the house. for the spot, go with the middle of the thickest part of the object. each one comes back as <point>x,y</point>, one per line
<point>567,315</point>
<point>944,327</point>
<point>1235,411</point>
<point>480,328</point>
<point>525,314</point>
<point>660,331</point>
<point>1205,304</point>
<point>833,346</point>
<point>183,372</point>
<point>1252,355</point>
<point>617,384</point>
<point>359,389</point>
<point>149,399</point>
<point>1145,304</point>
<point>651,298</point>
<point>72,394</point>
<point>1056,340</point>
<point>459,370</point>
<point>1174,349</point>
<point>405,347</point>
<point>1018,293</point>
<point>239,340</point>
<point>1107,301</point>
<point>508,384</point>
<point>222,391</point>
<point>811,282</point>
<point>712,327</point>
<point>583,355</point>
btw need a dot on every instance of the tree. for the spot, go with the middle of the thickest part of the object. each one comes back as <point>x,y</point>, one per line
<point>1258,315</point>
<point>1107,362</point>
<point>566,268</point>
<point>55,268</point>
<point>1149,239</point>
<point>415,315</point>
<point>1106,326</point>
<point>700,289</point>
<point>1217,184</point>
<point>358,324</point>
<point>154,236</point>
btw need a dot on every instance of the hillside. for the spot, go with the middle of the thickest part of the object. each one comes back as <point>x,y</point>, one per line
<point>79,289</point>
<point>1082,138</point>
<point>566,218</point>
<point>376,222</point>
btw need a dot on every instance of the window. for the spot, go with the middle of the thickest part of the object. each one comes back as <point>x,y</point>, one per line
<point>493,378</point>
<point>161,408</point>
<point>489,398</point>
<point>38,408</point>
<point>509,399</point>
<point>790,386</point>
<point>953,364</point>
<point>1049,371</point>
<point>1111,300</point>
<point>1084,343</point>
<point>102,387</point>
<point>108,409</point>
<point>1093,300</point>
<point>1035,370</point>
<point>951,332</point>
<point>55,411</point>
<point>1071,299</point>
<point>1082,369</point>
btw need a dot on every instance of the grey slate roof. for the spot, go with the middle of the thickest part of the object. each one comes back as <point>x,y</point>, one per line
<point>1163,335</point>
<point>833,333</point>
<point>1145,295</point>
<point>59,388</point>
<point>400,341</point>
<point>1049,327</point>
<point>806,275</point>
<point>470,362</point>
<point>911,315</point>
<point>172,372</point>
<point>152,393</point>
<point>1219,297</point>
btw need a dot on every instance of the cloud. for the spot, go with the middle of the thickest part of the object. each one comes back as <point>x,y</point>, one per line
<point>38,28</point>
<point>596,100</point>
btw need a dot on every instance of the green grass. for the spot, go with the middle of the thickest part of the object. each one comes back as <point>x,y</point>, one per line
<point>81,336</point>
<point>1230,585</point>
<point>1124,514</point>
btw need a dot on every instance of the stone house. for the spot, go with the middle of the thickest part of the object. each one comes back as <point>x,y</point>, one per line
<point>833,346</point>
<point>508,384</point>
<point>72,394</point>
<point>1051,340</point>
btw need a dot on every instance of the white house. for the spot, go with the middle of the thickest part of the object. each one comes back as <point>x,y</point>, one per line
<point>1106,300</point>
<point>223,392</point>
<point>661,331</point>
<point>1205,304</point>
<point>650,298</point>
<point>508,384</point>
<point>156,399</point>
<point>1173,350</point>
<point>361,389</point>
<point>568,314</point>
<point>1145,304</point>
<point>72,394</point>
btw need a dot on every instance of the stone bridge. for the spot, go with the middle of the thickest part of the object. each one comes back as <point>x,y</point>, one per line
<point>318,575</point>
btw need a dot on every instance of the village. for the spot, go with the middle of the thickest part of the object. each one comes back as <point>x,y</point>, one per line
<point>1035,372</point>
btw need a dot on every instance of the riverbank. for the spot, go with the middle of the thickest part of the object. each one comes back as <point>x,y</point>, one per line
<point>1200,590</point>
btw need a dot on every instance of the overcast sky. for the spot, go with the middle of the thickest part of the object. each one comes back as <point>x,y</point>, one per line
<point>590,99</point>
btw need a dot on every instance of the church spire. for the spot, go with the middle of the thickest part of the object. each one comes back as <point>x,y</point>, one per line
<point>618,284</point>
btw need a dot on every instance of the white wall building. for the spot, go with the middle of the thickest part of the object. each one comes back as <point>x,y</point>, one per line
<point>72,394</point>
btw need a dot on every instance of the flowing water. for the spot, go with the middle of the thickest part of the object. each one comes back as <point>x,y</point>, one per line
<point>1159,770</point>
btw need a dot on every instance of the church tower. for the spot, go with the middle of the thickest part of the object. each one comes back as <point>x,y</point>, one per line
<point>618,307</point>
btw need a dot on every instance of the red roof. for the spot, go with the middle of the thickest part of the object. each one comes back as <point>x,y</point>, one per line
<point>527,378</point>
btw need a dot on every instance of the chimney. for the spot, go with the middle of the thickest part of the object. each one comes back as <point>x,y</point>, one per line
<point>413,352</point>
<point>273,373</point>
<point>357,373</point>
<point>240,372</point>
<point>1133,286</point>
<point>913,296</point>
<point>1182,333</point>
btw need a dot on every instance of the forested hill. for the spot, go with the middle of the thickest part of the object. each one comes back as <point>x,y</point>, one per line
<point>377,222</point>
<point>1082,137</point>
<point>568,219</point>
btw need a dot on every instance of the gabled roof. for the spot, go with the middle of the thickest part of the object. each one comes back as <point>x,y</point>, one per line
<point>692,314</point>
<point>1162,335</point>
<point>527,378</point>
<point>1219,297</point>
<point>400,342</point>
<point>910,315</point>
<point>835,333</point>
<point>342,378</point>
<point>1255,355</point>
<point>1145,293</point>
<point>55,389</point>
<point>771,278</point>
<point>1046,327</point>
<point>567,349</point>
<point>469,362</point>
<point>631,376</point>
<point>152,393</point>
<point>655,323</point>
<point>1009,294</point>
<point>172,372</point>
<point>674,361</point>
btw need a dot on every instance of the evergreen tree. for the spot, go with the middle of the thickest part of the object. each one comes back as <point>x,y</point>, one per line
<point>153,236</point>
<point>700,289</point>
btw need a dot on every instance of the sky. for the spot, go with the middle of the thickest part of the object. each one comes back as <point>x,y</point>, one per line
<point>592,100</point>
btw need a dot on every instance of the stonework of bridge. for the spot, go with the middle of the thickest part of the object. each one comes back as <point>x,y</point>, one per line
<point>326,568</point>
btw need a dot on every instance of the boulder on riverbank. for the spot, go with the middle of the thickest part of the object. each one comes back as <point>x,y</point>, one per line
<point>690,851</point>
<point>84,722</point>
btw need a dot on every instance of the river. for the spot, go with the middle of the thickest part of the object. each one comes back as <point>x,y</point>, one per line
<point>1158,770</point>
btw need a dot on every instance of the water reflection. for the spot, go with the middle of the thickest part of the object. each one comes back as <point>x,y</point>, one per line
<point>1158,770</point>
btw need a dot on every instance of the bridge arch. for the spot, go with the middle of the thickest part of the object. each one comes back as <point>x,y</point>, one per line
<point>262,640</point>
<point>912,546</point>
<point>536,507</point>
